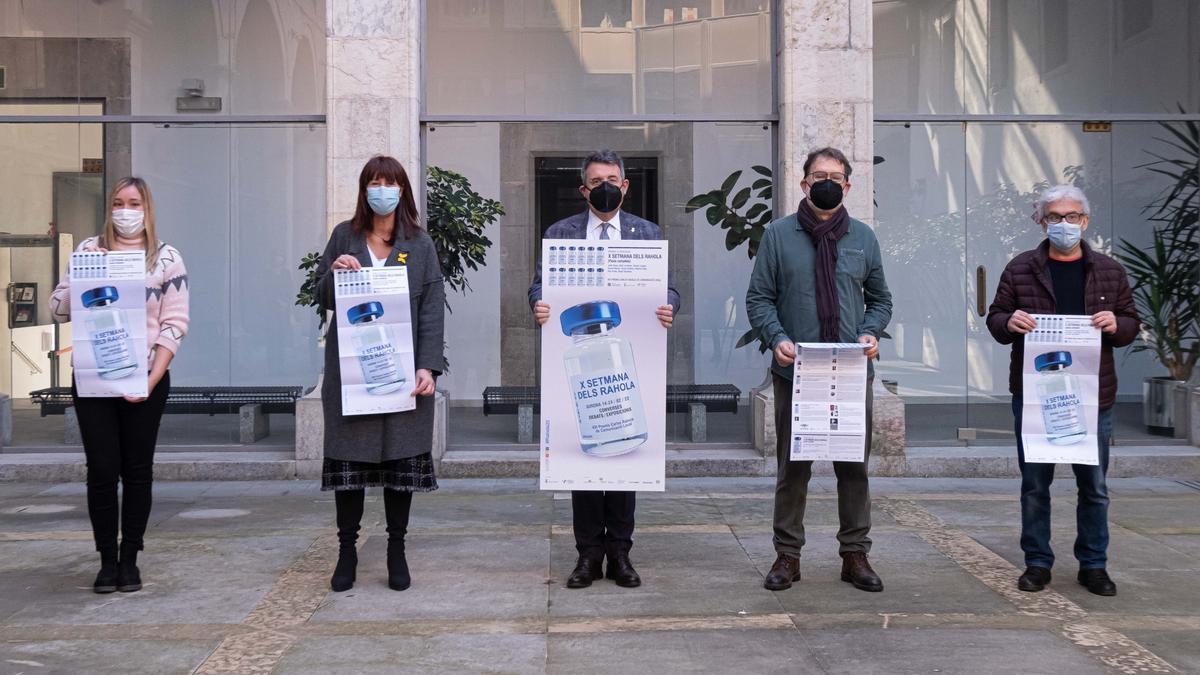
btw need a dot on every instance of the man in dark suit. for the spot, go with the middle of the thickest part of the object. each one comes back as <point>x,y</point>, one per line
<point>602,520</point>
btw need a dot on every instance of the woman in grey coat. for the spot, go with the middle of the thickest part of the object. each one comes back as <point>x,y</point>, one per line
<point>392,450</point>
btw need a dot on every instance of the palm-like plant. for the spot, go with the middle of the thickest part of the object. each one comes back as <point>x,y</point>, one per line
<point>1166,275</point>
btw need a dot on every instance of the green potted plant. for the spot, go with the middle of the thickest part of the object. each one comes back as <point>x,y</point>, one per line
<point>1165,275</point>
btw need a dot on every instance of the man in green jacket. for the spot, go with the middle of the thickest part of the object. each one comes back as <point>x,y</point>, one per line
<point>818,277</point>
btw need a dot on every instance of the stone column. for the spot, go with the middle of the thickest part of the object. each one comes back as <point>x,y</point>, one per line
<point>825,94</point>
<point>372,94</point>
<point>825,99</point>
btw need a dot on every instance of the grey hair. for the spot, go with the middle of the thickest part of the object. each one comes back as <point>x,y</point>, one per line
<point>602,157</point>
<point>1056,193</point>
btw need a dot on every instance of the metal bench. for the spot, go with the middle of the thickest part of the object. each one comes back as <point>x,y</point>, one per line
<point>252,404</point>
<point>695,399</point>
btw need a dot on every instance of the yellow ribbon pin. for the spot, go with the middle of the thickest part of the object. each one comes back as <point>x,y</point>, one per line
<point>402,258</point>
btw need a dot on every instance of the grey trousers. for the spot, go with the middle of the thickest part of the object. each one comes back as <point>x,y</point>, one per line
<point>791,486</point>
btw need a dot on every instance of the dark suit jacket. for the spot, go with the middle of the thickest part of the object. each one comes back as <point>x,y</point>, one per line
<point>575,227</point>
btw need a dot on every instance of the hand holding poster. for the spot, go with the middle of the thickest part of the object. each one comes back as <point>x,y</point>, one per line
<point>829,403</point>
<point>375,350</point>
<point>108,310</point>
<point>1061,391</point>
<point>603,408</point>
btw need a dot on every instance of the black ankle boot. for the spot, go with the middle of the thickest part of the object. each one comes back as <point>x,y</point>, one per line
<point>345,572</point>
<point>106,580</point>
<point>396,506</point>
<point>349,515</point>
<point>129,579</point>
<point>398,577</point>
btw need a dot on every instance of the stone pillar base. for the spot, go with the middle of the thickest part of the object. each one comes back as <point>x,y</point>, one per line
<point>253,424</point>
<point>71,433</point>
<point>697,422</point>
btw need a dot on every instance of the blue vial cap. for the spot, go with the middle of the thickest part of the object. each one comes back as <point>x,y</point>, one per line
<point>1052,359</point>
<point>367,310</point>
<point>598,313</point>
<point>100,296</point>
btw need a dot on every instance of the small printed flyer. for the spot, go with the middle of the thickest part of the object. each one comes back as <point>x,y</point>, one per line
<point>829,403</point>
<point>108,312</point>
<point>375,344</point>
<point>604,365</point>
<point>1060,382</point>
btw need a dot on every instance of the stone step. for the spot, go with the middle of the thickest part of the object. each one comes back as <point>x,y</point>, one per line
<point>1167,461</point>
<point>66,467</point>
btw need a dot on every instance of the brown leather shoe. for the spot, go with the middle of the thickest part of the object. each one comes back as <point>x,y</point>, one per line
<point>785,570</point>
<point>856,570</point>
<point>586,571</point>
<point>621,571</point>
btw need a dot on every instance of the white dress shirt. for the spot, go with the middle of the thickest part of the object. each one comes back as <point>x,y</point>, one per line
<point>594,226</point>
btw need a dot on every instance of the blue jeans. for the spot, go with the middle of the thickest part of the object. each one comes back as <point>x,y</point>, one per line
<point>1091,512</point>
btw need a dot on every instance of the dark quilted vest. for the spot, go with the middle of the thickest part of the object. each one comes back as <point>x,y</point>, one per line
<point>1026,285</point>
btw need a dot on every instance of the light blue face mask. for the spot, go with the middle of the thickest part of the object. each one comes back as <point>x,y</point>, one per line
<point>1064,236</point>
<point>383,199</point>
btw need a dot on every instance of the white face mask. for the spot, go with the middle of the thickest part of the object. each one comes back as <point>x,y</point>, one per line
<point>128,222</point>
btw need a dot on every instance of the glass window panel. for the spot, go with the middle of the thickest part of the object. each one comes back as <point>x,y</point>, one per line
<point>554,58</point>
<point>1036,56</point>
<point>533,169</point>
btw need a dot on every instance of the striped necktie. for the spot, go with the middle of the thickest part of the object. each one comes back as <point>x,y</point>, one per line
<point>604,230</point>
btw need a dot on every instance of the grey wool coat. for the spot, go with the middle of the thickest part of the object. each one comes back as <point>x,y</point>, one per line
<point>376,438</point>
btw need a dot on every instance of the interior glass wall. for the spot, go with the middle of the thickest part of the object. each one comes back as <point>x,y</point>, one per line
<point>242,202</point>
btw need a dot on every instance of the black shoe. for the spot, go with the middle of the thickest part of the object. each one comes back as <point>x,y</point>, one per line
<point>129,579</point>
<point>856,570</point>
<point>621,571</point>
<point>1097,581</point>
<point>398,576</point>
<point>785,570</point>
<point>586,571</point>
<point>344,574</point>
<point>1034,579</point>
<point>106,580</point>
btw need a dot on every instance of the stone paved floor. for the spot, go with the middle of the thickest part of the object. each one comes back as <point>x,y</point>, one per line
<point>236,581</point>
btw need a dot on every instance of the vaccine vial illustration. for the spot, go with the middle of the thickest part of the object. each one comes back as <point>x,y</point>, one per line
<point>603,381</point>
<point>108,331</point>
<point>1059,396</point>
<point>375,348</point>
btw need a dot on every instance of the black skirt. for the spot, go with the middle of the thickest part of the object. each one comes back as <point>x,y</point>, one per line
<point>413,474</point>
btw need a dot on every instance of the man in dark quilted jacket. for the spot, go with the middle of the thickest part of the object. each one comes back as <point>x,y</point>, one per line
<point>1064,276</point>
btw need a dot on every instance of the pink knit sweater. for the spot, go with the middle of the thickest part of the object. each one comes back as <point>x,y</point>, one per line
<point>166,299</point>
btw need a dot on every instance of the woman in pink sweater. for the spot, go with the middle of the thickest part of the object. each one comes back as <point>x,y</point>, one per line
<point>119,434</point>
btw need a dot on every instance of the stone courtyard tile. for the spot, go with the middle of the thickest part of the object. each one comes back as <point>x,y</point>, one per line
<point>453,577</point>
<point>93,656</point>
<point>455,653</point>
<point>187,580</point>
<point>1155,512</point>
<point>1178,647</point>
<point>675,509</point>
<point>950,650</point>
<point>682,575</point>
<point>725,651</point>
<point>970,513</point>
<point>475,510</point>
<point>916,578</point>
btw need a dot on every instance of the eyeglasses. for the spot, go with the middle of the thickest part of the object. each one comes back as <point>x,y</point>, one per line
<point>818,176</point>
<point>1073,218</point>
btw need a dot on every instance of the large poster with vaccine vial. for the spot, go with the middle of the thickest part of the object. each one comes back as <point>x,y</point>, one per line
<point>1060,387</point>
<point>375,347</point>
<point>108,317</point>
<point>604,365</point>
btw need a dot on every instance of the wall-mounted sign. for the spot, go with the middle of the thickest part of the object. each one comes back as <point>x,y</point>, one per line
<point>93,165</point>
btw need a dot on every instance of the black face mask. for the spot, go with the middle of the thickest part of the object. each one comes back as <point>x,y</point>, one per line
<point>605,197</point>
<point>825,194</point>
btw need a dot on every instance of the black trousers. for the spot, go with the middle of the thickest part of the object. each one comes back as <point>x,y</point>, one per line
<point>118,441</point>
<point>603,522</point>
